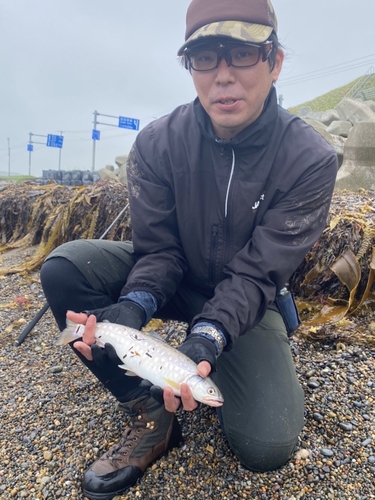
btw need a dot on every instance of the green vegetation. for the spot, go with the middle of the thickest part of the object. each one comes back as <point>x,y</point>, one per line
<point>16,179</point>
<point>332,98</point>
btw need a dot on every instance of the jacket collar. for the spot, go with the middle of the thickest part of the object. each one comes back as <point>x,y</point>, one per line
<point>255,136</point>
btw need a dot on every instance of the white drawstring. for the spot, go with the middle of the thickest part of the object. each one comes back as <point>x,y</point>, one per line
<point>229,183</point>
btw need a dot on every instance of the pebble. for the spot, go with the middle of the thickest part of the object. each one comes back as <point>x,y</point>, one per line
<point>56,369</point>
<point>327,452</point>
<point>56,420</point>
<point>346,427</point>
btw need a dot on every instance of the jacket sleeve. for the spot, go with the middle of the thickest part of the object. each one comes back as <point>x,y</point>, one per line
<point>160,261</point>
<point>289,228</point>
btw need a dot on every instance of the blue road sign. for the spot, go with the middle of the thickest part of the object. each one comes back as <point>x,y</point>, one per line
<point>30,147</point>
<point>55,141</point>
<point>95,135</point>
<point>125,122</point>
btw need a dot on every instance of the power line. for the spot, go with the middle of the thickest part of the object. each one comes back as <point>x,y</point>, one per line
<point>340,64</point>
<point>312,75</point>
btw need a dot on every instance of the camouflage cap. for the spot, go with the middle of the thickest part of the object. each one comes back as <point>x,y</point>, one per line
<point>243,20</point>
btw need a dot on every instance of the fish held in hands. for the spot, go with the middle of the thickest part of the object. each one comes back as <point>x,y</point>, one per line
<point>150,358</point>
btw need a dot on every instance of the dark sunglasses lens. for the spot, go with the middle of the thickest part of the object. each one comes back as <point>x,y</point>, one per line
<point>239,56</point>
<point>244,56</point>
<point>203,59</point>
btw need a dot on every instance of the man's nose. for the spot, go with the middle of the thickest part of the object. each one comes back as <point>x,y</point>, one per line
<point>224,71</point>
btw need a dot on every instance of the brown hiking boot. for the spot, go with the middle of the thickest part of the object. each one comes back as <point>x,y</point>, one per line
<point>153,431</point>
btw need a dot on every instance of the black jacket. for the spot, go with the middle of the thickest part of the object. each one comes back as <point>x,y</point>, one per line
<point>232,218</point>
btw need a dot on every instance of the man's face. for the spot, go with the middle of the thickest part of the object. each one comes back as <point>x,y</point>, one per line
<point>234,97</point>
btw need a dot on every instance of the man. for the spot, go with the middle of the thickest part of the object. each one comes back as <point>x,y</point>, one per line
<point>227,195</point>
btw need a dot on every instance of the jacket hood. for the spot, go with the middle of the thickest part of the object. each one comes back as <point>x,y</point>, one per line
<point>254,137</point>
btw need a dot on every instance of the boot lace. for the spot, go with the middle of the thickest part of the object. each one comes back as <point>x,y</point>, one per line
<point>130,436</point>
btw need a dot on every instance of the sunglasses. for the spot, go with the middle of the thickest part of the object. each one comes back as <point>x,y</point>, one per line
<point>206,57</point>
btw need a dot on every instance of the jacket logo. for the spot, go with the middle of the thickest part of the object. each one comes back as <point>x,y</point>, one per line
<point>256,205</point>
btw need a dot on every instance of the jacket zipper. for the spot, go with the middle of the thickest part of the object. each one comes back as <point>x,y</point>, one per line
<point>213,253</point>
<point>229,183</point>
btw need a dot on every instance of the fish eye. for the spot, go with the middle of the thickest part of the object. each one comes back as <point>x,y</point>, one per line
<point>211,391</point>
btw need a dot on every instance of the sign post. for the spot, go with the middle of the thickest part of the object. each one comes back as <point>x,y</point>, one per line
<point>53,141</point>
<point>123,122</point>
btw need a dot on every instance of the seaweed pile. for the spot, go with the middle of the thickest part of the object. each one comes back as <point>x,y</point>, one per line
<point>335,282</point>
<point>50,215</point>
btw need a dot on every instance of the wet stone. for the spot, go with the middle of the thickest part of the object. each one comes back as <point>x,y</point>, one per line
<point>327,452</point>
<point>56,369</point>
<point>313,384</point>
<point>346,427</point>
<point>318,417</point>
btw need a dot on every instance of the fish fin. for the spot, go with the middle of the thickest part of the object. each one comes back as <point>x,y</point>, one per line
<point>172,384</point>
<point>99,342</point>
<point>154,334</point>
<point>128,372</point>
<point>70,333</point>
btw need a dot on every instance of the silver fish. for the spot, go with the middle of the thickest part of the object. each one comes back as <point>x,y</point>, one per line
<point>149,358</point>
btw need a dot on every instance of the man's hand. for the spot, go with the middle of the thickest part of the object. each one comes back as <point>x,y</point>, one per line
<point>172,402</point>
<point>84,346</point>
<point>126,313</point>
<point>202,352</point>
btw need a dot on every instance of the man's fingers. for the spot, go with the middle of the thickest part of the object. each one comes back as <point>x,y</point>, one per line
<point>84,349</point>
<point>89,333</point>
<point>204,369</point>
<point>79,318</point>
<point>170,401</point>
<point>187,399</point>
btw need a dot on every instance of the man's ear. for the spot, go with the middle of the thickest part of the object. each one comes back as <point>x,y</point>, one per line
<point>278,65</point>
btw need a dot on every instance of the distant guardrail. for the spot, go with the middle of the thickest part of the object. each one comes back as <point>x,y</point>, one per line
<point>68,178</point>
<point>367,94</point>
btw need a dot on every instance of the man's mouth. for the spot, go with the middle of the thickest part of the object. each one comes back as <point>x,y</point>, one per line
<point>227,101</point>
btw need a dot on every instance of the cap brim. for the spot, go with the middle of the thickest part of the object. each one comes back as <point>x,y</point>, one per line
<point>237,30</point>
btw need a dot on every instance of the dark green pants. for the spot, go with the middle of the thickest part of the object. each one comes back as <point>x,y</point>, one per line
<point>263,410</point>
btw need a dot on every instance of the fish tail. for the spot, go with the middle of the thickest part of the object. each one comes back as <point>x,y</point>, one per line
<point>70,333</point>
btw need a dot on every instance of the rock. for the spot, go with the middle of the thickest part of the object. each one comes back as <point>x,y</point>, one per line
<point>105,173</point>
<point>371,105</point>
<point>304,111</point>
<point>327,452</point>
<point>121,160</point>
<point>122,175</point>
<point>339,127</point>
<point>329,116</point>
<point>355,111</point>
<point>335,141</point>
<point>358,168</point>
<point>302,454</point>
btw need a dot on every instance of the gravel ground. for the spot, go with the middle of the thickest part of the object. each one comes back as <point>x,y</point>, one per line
<point>56,420</point>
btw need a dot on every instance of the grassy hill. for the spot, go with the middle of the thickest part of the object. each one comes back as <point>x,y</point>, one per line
<point>332,98</point>
<point>15,179</point>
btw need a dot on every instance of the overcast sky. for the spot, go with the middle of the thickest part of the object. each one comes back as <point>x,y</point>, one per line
<point>60,60</point>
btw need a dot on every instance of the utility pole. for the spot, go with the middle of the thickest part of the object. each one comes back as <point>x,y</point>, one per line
<point>122,122</point>
<point>8,156</point>
<point>94,140</point>
<point>61,133</point>
<point>30,149</point>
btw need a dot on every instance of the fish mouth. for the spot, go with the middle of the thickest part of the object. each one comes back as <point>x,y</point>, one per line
<point>213,401</point>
